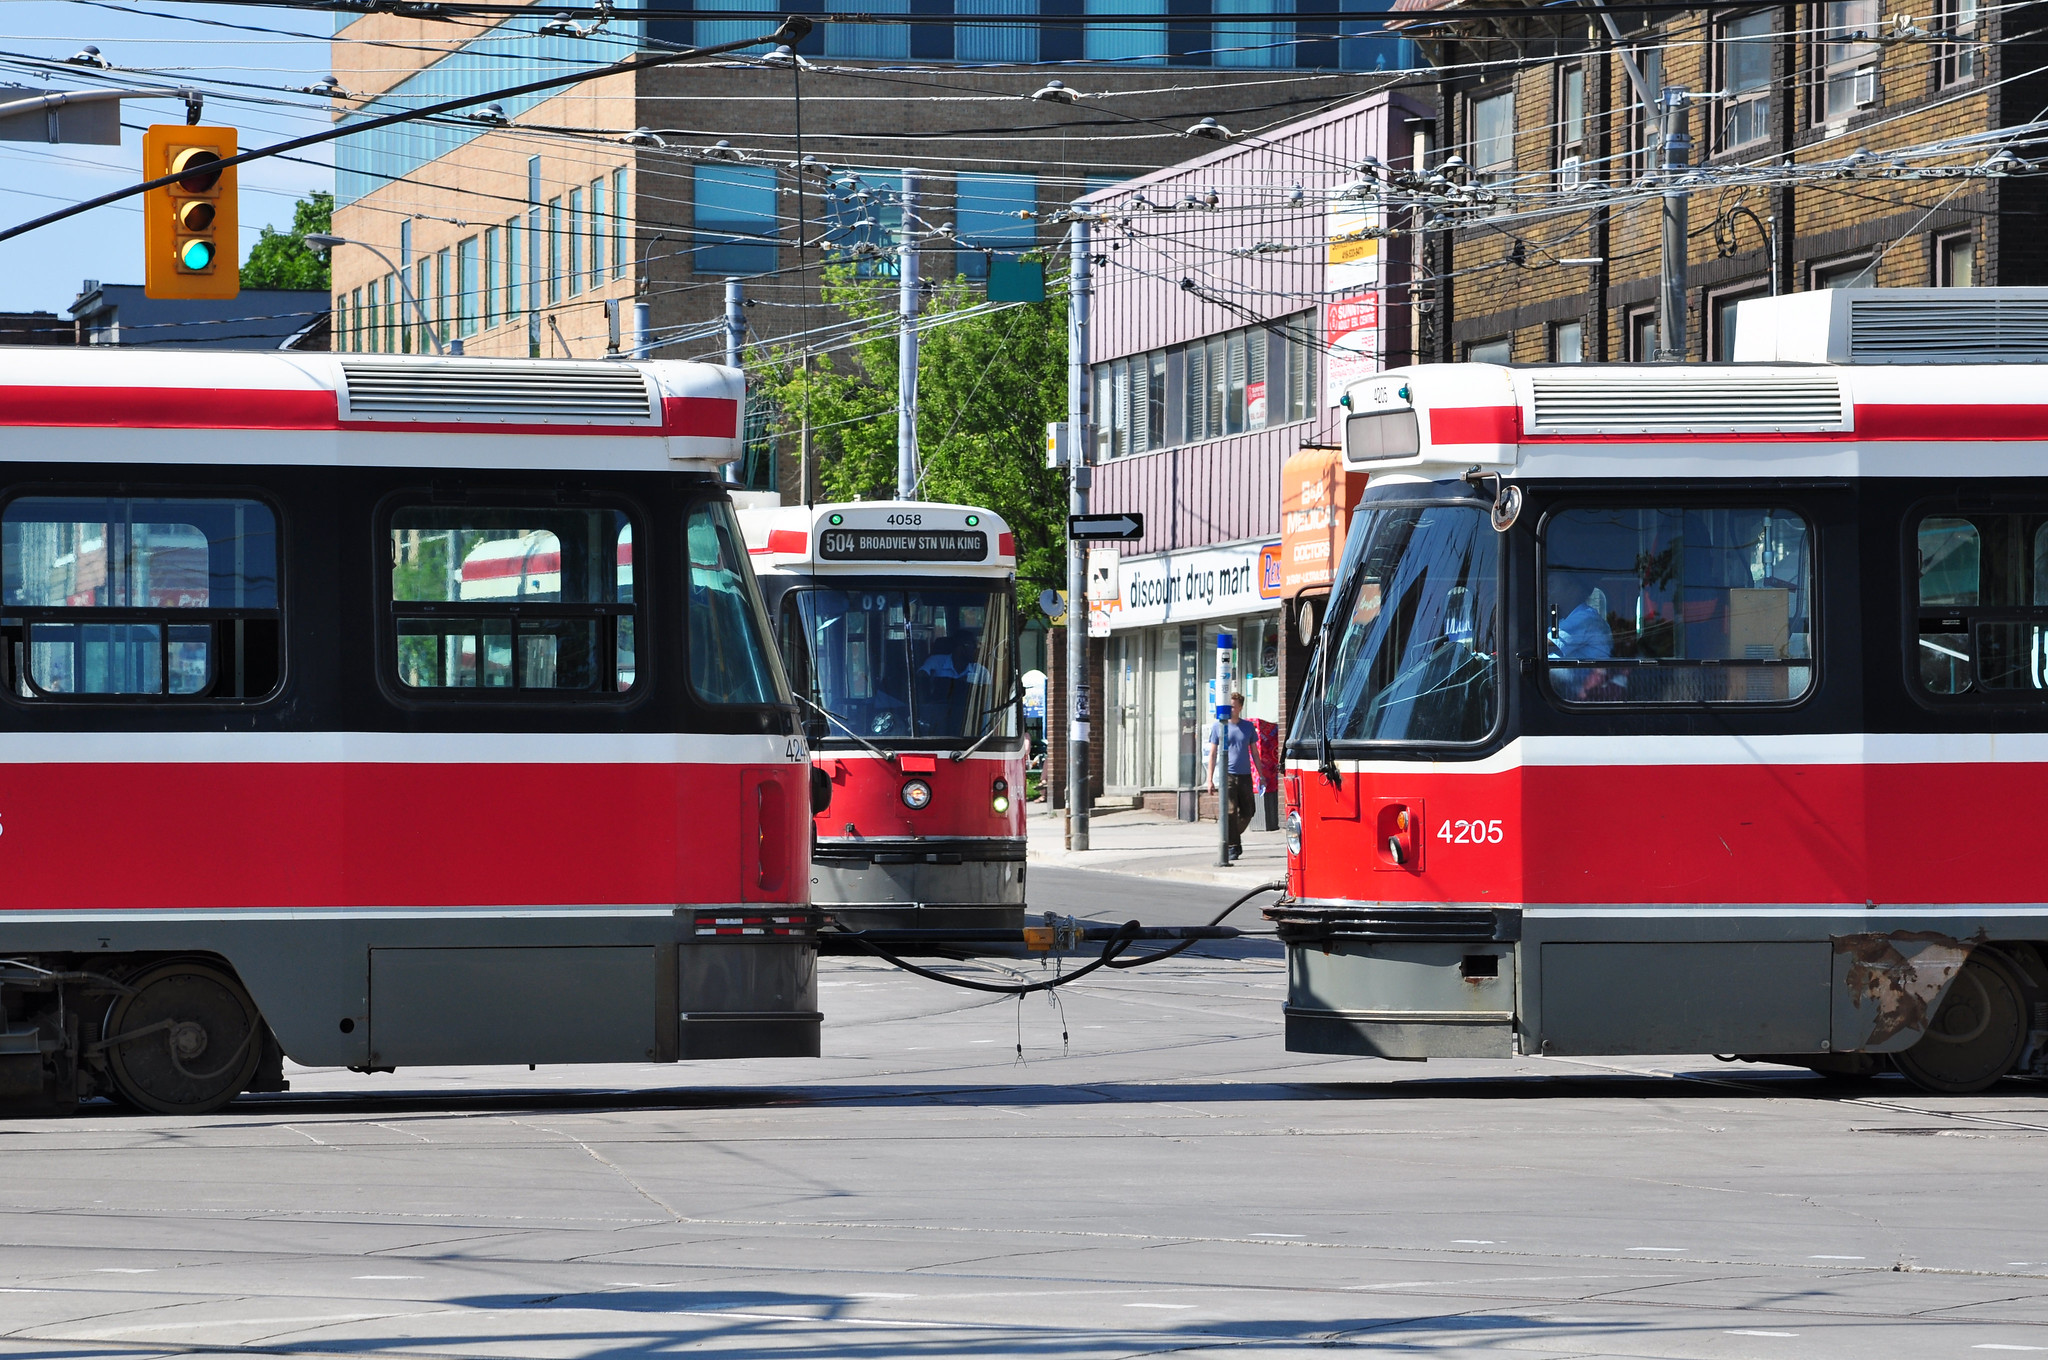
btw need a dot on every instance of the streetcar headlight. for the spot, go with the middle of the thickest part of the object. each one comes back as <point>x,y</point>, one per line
<point>1293,832</point>
<point>917,795</point>
<point>1000,795</point>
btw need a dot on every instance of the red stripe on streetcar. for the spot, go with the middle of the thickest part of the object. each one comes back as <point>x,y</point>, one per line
<point>1006,545</point>
<point>788,541</point>
<point>1952,422</point>
<point>180,408</point>
<point>168,408</point>
<point>1475,425</point>
<point>701,417</point>
<point>345,835</point>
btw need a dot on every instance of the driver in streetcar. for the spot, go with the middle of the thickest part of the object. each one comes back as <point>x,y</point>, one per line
<point>1583,634</point>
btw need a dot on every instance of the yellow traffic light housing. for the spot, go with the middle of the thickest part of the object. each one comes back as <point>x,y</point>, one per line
<point>189,227</point>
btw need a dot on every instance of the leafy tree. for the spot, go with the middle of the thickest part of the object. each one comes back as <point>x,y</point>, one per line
<point>283,259</point>
<point>987,386</point>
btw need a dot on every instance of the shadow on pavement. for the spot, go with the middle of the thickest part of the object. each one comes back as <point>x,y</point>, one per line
<point>1760,1084</point>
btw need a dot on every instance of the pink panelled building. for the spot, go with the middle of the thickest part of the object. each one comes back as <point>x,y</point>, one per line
<point>1211,369</point>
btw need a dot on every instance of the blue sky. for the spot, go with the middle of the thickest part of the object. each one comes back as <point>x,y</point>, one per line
<point>148,44</point>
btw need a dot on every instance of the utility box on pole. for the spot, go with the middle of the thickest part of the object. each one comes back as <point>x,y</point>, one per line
<point>76,117</point>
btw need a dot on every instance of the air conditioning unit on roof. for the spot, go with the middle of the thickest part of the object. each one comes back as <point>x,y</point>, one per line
<point>1895,326</point>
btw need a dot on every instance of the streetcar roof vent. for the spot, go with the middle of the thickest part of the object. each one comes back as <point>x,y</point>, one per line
<point>496,392</point>
<point>1952,330</point>
<point>1683,401</point>
<point>1895,326</point>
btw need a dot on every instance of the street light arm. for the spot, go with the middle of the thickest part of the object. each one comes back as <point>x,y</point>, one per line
<point>791,30</point>
<point>326,240</point>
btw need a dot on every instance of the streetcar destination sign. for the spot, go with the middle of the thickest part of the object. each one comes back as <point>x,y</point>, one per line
<point>1123,526</point>
<point>902,545</point>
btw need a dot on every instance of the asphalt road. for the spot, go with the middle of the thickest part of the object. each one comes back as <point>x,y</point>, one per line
<point>1153,1174</point>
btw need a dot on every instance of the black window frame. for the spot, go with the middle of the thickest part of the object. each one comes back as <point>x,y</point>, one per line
<point>1766,94</point>
<point>1718,322</point>
<point>1824,35</point>
<point>1682,497</point>
<point>1567,147</point>
<point>785,618</point>
<point>1404,498</point>
<point>771,638</point>
<point>15,671</point>
<point>1912,614</point>
<point>1963,49</point>
<point>475,698</point>
<point>1943,274</point>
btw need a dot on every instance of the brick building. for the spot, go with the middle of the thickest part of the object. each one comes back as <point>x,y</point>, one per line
<point>1226,292</point>
<point>1536,105</point>
<point>515,228</point>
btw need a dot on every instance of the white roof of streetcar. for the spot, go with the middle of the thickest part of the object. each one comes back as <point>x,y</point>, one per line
<point>870,537</point>
<point>1841,383</point>
<point>365,410</point>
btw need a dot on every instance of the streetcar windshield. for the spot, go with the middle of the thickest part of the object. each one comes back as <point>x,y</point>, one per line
<point>732,660</point>
<point>1412,632</point>
<point>905,663</point>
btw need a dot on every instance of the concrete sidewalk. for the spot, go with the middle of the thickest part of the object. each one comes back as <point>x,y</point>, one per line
<point>1126,841</point>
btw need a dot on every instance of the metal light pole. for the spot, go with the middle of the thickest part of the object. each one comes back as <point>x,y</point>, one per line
<point>735,342</point>
<point>906,344</point>
<point>321,240</point>
<point>1080,451</point>
<point>1671,344</point>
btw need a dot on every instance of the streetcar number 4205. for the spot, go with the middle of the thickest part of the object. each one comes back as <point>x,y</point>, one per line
<point>1471,833</point>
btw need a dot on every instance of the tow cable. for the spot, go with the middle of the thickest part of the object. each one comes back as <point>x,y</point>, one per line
<point>1059,933</point>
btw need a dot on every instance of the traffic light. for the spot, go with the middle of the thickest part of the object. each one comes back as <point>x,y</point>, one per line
<point>189,228</point>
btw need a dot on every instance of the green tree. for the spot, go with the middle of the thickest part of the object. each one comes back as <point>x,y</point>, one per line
<point>987,386</point>
<point>282,259</point>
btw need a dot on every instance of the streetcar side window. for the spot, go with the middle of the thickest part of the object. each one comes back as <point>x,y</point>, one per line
<point>144,599</point>
<point>531,602</point>
<point>1678,605</point>
<point>1982,619</point>
<point>732,660</point>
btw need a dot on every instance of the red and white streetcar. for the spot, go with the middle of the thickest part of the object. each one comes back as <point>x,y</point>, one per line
<point>1691,708</point>
<point>381,712</point>
<point>898,627</point>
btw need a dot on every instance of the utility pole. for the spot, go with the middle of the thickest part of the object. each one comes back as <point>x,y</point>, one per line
<point>803,442</point>
<point>1671,344</point>
<point>1080,452</point>
<point>735,341</point>
<point>906,344</point>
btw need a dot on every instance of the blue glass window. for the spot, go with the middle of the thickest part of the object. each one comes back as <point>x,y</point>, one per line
<point>1256,43</point>
<point>864,212</point>
<point>711,32</point>
<point>985,218</point>
<point>1134,44</point>
<point>735,217</point>
<point>1366,45</point>
<point>880,42</point>
<point>510,53</point>
<point>995,42</point>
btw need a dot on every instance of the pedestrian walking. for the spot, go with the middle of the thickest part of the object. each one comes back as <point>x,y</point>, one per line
<point>1235,737</point>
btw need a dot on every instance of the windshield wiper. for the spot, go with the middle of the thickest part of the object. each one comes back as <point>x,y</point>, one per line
<point>1326,761</point>
<point>829,716</point>
<point>1016,693</point>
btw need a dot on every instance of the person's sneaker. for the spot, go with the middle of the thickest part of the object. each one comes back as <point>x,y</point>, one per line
<point>1235,851</point>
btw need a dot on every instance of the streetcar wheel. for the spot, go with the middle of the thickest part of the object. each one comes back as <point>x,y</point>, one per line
<point>1976,1036</point>
<point>186,1040</point>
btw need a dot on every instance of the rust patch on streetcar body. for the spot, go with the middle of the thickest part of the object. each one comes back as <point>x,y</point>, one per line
<point>1900,986</point>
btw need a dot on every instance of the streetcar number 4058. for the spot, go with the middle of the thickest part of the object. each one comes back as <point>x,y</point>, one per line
<point>1471,833</point>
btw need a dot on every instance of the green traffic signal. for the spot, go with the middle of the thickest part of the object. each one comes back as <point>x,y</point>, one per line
<point>195,255</point>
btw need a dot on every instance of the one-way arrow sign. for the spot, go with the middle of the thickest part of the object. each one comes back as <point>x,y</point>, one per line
<point>1106,526</point>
